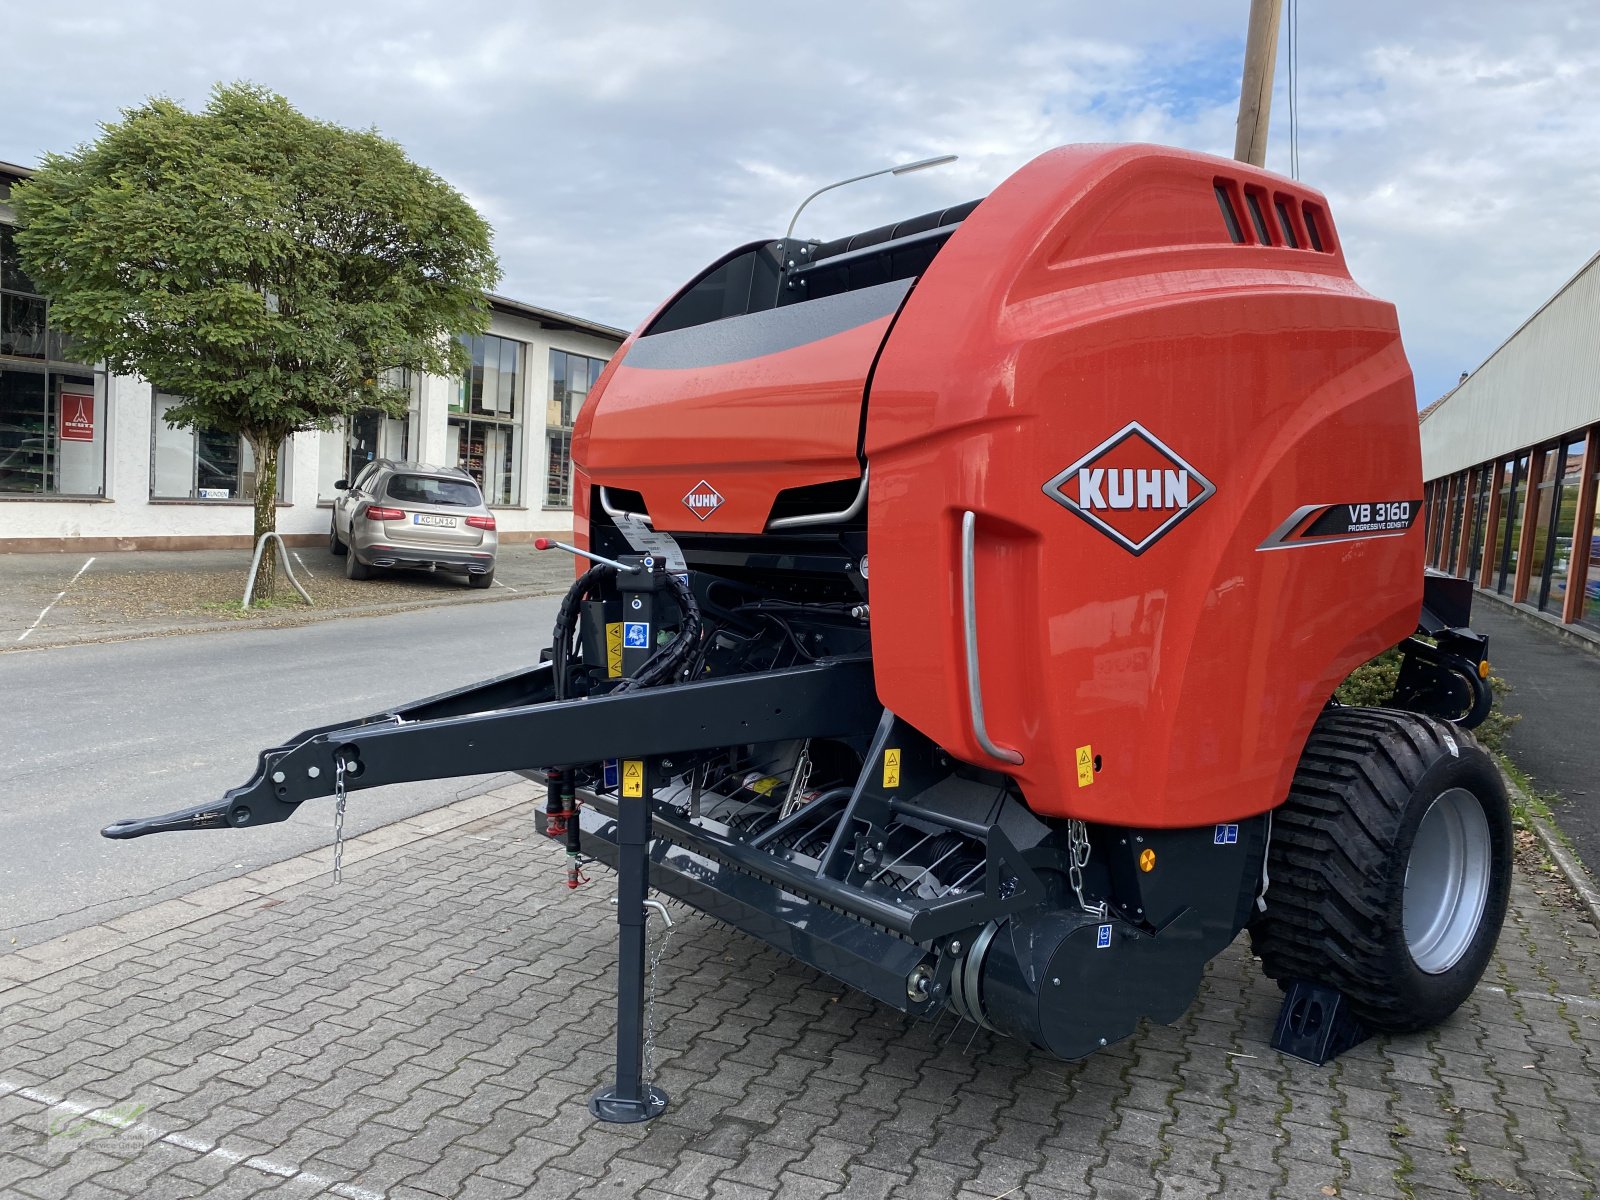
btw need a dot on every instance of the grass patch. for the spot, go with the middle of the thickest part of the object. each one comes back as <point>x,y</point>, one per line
<point>231,608</point>
<point>1532,802</point>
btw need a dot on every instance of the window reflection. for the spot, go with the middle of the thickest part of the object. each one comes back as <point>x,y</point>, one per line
<point>571,377</point>
<point>486,420</point>
<point>204,464</point>
<point>1589,613</point>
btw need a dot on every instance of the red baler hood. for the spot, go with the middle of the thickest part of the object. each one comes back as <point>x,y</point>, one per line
<point>738,409</point>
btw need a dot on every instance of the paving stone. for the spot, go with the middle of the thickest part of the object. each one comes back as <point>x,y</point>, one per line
<point>525,1161</point>
<point>73,1172</point>
<point>391,1038</point>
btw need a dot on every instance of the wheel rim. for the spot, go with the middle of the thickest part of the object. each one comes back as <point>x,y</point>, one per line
<point>1447,881</point>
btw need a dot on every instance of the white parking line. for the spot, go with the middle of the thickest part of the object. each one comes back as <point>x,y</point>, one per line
<point>53,603</point>
<point>507,587</point>
<point>302,563</point>
<point>98,1114</point>
<point>1554,997</point>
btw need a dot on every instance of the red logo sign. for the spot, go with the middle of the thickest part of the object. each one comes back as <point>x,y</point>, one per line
<point>1131,487</point>
<point>703,500</point>
<point>77,417</point>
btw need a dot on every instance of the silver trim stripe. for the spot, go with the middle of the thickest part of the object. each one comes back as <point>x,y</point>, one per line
<point>847,514</point>
<point>1279,538</point>
<point>615,513</point>
<point>807,519</point>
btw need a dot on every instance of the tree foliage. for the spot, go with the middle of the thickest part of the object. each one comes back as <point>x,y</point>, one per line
<point>267,267</point>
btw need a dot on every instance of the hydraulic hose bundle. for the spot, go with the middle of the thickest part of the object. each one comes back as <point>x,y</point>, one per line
<point>561,805</point>
<point>661,667</point>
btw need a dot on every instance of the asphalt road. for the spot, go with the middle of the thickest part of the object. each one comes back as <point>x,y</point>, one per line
<point>92,733</point>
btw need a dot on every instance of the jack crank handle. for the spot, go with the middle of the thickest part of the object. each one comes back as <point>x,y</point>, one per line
<point>552,544</point>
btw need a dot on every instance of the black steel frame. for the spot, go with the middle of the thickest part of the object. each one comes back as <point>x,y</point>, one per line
<point>510,724</point>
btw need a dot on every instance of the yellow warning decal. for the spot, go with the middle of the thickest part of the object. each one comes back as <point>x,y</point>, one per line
<point>764,785</point>
<point>1085,765</point>
<point>633,777</point>
<point>891,768</point>
<point>614,650</point>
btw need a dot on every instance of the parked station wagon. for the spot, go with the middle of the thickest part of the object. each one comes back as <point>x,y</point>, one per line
<point>413,516</point>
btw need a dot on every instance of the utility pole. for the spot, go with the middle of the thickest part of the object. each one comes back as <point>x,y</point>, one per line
<point>1255,89</point>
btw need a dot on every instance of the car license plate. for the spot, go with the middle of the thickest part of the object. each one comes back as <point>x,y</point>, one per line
<point>431,519</point>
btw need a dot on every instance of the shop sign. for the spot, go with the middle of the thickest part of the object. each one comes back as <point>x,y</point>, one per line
<point>77,416</point>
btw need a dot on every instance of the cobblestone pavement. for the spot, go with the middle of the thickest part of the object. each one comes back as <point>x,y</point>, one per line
<point>433,1028</point>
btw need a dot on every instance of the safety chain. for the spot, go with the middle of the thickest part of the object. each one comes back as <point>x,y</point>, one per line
<point>338,817</point>
<point>650,1001</point>
<point>1077,860</point>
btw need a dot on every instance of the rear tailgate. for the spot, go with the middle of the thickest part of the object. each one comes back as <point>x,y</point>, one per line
<point>433,527</point>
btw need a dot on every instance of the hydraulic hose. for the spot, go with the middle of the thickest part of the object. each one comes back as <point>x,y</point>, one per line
<point>660,667</point>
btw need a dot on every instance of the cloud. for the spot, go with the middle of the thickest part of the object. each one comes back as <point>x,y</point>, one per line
<point>617,148</point>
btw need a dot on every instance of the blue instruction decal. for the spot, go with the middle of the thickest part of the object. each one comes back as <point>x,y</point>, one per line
<point>635,635</point>
<point>1226,835</point>
<point>609,770</point>
<point>1102,937</point>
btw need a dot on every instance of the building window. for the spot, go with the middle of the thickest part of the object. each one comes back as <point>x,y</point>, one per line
<point>1441,523</point>
<point>368,435</point>
<point>1458,509</point>
<point>1480,504</point>
<point>1589,614</point>
<point>52,431</point>
<point>1541,514</point>
<point>571,377</point>
<point>485,426</point>
<point>1565,517</point>
<point>1435,521</point>
<point>1551,547</point>
<point>558,470</point>
<point>1510,531</point>
<point>52,411</point>
<point>203,464</point>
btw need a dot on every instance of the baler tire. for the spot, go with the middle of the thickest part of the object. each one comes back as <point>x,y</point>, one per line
<point>1341,857</point>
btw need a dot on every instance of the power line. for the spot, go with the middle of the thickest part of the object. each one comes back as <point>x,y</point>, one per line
<point>1294,88</point>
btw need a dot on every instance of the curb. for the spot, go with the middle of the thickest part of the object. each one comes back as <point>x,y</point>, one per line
<point>22,967</point>
<point>1574,872</point>
<point>294,618</point>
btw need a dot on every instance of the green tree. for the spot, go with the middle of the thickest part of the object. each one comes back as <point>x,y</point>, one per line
<point>267,267</point>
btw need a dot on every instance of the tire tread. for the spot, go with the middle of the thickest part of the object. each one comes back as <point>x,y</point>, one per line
<point>1330,858</point>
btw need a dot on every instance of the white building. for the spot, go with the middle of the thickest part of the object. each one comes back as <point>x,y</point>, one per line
<point>1512,462</point>
<point>87,463</point>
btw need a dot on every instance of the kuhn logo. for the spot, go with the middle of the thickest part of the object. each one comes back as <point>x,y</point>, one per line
<point>1131,487</point>
<point>703,500</point>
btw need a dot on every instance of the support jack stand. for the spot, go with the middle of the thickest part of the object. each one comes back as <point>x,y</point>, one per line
<point>1315,1024</point>
<point>614,1109</point>
<point>630,1099</point>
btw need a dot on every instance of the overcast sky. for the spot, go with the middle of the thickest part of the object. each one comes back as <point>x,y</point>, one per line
<point>617,147</point>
